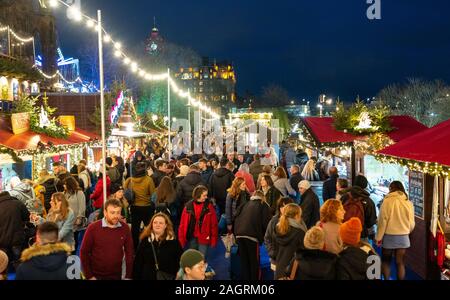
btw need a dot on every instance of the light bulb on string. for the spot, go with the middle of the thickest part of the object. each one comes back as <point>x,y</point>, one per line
<point>89,23</point>
<point>53,3</point>
<point>117,53</point>
<point>107,38</point>
<point>126,61</point>
<point>117,45</point>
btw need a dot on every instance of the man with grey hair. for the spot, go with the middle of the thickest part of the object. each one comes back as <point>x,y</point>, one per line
<point>309,203</point>
<point>295,179</point>
<point>329,185</point>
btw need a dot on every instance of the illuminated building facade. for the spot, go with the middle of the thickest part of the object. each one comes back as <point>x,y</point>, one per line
<point>211,83</point>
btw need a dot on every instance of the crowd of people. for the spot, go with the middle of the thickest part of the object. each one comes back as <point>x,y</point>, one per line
<point>162,217</point>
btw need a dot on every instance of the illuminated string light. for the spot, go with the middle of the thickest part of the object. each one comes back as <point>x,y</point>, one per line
<point>53,3</point>
<point>78,15</point>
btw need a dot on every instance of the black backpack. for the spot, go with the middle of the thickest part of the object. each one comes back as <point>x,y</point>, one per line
<point>320,167</point>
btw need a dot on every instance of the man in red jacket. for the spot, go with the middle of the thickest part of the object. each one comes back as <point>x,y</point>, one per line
<point>105,244</point>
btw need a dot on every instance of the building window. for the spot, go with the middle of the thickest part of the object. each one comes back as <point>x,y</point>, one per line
<point>200,83</point>
<point>200,90</point>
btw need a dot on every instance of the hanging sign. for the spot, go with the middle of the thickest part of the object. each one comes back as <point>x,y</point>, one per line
<point>20,122</point>
<point>416,192</point>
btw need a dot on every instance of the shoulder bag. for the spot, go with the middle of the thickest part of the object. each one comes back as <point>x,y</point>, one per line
<point>160,275</point>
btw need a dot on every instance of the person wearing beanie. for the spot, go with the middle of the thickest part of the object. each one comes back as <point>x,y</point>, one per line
<point>4,261</point>
<point>313,262</point>
<point>352,263</point>
<point>183,171</point>
<point>309,202</point>
<point>143,208</point>
<point>192,265</point>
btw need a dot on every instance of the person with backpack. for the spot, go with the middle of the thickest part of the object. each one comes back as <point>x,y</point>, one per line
<point>237,195</point>
<point>250,226</point>
<point>289,234</point>
<point>309,203</point>
<point>395,224</point>
<point>322,166</point>
<point>353,262</point>
<point>23,191</point>
<point>269,236</point>
<point>281,182</point>
<point>357,203</point>
<point>142,209</point>
<point>198,226</point>
<point>370,211</point>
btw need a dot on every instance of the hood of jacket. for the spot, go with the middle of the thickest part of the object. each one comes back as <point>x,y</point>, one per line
<point>47,178</point>
<point>355,258</point>
<point>138,180</point>
<point>193,178</point>
<point>314,263</point>
<point>222,172</point>
<point>5,196</point>
<point>23,188</point>
<point>48,257</point>
<point>290,237</point>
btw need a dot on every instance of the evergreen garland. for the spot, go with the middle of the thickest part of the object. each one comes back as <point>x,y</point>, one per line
<point>18,69</point>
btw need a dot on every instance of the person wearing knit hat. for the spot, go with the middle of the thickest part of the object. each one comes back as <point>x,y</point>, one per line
<point>309,203</point>
<point>3,265</point>
<point>350,232</point>
<point>192,265</point>
<point>314,263</point>
<point>352,263</point>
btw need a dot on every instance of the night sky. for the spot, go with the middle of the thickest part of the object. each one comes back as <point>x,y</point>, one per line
<point>307,46</point>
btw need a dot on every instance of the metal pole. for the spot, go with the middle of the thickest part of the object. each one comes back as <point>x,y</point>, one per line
<point>34,52</point>
<point>168,111</point>
<point>9,42</point>
<point>189,111</point>
<point>102,101</point>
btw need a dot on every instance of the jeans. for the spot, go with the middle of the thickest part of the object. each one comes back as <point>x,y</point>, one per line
<point>193,244</point>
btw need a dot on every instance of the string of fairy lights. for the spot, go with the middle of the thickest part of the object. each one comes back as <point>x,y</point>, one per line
<point>127,60</point>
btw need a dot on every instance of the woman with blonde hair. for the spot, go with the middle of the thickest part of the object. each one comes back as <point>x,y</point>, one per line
<point>237,195</point>
<point>331,216</point>
<point>281,182</point>
<point>309,171</point>
<point>290,232</point>
<point>159,252</point>
<point>61,214</point>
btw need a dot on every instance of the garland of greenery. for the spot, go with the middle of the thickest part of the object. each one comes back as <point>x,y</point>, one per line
<point>11,153</point>
<point>433,169</point>
<point>18,69</point>
<point>27,104</point>
<point>347,120</point>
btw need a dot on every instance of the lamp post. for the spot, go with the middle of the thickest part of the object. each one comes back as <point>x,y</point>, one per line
<point>102,101</point>
<point>320,106</point>
<point>168,111</point>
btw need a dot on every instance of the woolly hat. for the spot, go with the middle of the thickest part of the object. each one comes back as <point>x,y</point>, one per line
<point>361,181</point>
<point>350,231</point>
<point>184,170</point>
<point>115,188</point>
<point>190,258</point>
<point>3,262</point>
<point>304,184</point>
<point>314,238</point>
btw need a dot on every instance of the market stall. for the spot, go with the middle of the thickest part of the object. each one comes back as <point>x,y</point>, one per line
<point>425,154</point>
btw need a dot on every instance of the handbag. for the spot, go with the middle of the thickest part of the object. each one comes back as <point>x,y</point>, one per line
<point>160,275</point>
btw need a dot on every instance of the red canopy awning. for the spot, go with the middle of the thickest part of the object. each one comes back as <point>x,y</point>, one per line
<point>431,145</point>
<point>30,140</point>
<point>323,131</point>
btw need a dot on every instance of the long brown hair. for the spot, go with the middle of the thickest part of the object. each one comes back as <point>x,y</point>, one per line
<point>165,190</point>
<point>168,233</point>
<point>72,186</point>
<point>328,211</point>
<point>235,189</point>
<point>290,210</point>
<point>268,179</point>
<point>280,172</point>
<point>64,210</point>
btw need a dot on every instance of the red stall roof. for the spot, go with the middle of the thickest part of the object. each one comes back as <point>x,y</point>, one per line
<point>30,140</point>
<point>323,131</point>
<point>431,145</point>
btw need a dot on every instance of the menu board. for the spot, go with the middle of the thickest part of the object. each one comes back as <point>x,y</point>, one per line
<point>416,192</point>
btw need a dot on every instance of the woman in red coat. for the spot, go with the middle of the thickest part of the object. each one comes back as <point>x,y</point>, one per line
<point>97,195</point>
<point>198,226</point>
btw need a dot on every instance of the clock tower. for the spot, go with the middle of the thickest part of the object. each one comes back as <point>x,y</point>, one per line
<point>155,43</point>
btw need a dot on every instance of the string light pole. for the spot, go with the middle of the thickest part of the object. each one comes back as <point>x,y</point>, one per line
<point>102,101</point>
<point>168,111</point>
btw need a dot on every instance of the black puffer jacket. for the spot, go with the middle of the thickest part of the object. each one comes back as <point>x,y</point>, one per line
<point>50,186</point>
<point>316,265</point>
<point>186,187</point>
<point>219,182</point>
<point>47,262</point>
<point>13,216</point>
<point>352,263</point>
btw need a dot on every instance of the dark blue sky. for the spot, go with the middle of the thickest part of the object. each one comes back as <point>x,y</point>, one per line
<point>307,46</point>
